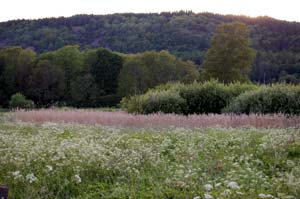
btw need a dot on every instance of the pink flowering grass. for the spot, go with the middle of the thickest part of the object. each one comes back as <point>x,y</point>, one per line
<point>124,119</point>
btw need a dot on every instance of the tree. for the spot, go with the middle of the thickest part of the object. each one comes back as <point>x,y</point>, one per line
<point>230,56</point>
<point>68,59</point>
<point>105,67</point>
<point>84,91</point>
<point>24,68</point>
<point>47,83</point>
<point>134,77</point>
<point>147,70</point>
<point>9,60</point>
<point>15,67</point>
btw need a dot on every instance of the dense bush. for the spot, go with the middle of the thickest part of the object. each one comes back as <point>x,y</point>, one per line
<point>163,101</point>
<point>211,97</point>
<point>278,98</point>
<point>207,97</point>
<point>19,101</point>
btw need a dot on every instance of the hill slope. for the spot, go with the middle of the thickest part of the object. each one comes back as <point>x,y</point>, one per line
<point>186,34</point>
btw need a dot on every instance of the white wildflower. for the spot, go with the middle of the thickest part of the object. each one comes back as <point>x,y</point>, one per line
<point>290,163</point>
<point>208,196</point>
<point>262,195</point>
<point>77,179</point>
<point>31,178</point>
<point>15,173</point>
<point>208,187</point>
<point>233,185</point>
<point>227,192</point>
<point>50,168</point>
<point>236,164</point>
<point>197,197</point>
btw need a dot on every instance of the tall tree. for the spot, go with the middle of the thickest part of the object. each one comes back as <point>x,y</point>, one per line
<point>84,91</point>
<point>230,56</point>
<point>68,59</point>
<point>105,67</point>
<point>25,64</point>
<point>9,57</point>
<point>147,70</point>
<point>46,83</point>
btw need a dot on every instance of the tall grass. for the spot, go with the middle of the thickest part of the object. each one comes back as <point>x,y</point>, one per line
<point>124,119</point>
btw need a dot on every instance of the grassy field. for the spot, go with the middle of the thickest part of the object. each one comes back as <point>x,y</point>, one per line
<point>56,160</point>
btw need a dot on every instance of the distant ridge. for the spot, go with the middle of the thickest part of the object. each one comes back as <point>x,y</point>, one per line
<point>185,34</point>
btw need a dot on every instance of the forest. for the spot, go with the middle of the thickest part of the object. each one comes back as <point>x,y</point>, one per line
<point>184,34</point>
<point>87,78</point>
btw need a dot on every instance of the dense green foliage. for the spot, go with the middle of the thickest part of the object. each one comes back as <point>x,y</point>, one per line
<point>105,68</point>
<point>211,97</point>
<point>278,98</point>
<point>19,101</point>
<point>149,69</point>
<point>196,98</point>
<point>84,91</point>
<point>85,162</point>
<point>185,34</point>
<point>215,97</point>
<point>86,78</point>
<point>230,57</point>
<point>15,67</point>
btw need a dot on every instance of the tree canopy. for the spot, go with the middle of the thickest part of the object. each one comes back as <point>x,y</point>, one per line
<point>149,69</point>
<point>85,78</point>
<point>230,56</point>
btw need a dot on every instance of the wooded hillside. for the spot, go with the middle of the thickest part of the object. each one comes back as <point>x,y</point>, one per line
<point>185,34</point>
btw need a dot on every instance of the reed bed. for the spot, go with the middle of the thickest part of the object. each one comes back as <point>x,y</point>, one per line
<point>124,119</point>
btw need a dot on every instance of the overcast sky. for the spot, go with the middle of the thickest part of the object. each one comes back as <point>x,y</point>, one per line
<point>33,9</point>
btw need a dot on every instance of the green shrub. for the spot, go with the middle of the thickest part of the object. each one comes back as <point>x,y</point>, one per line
<point>132,104</point>
<point>212,96</point>
<point>19,101</point>
<point>137,103</point>
<point>153,102</point>
<point>279,98</point>
<point>207,97</point>
<point>163,101</point>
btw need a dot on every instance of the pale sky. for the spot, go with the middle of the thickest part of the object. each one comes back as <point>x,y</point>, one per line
<point>33,9</point>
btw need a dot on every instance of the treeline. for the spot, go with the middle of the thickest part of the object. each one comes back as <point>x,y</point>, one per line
<point>184,34</point>
<point>84,78</point>
<point>215,97</point>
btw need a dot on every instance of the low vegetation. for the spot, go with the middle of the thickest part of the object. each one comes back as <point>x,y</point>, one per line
<point>278,98</point>
<point>18,101</point>
<point>73,161</point>
<point>215,97</point>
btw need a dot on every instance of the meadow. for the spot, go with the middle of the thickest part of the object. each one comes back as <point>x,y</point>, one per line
<point>119,155</point>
